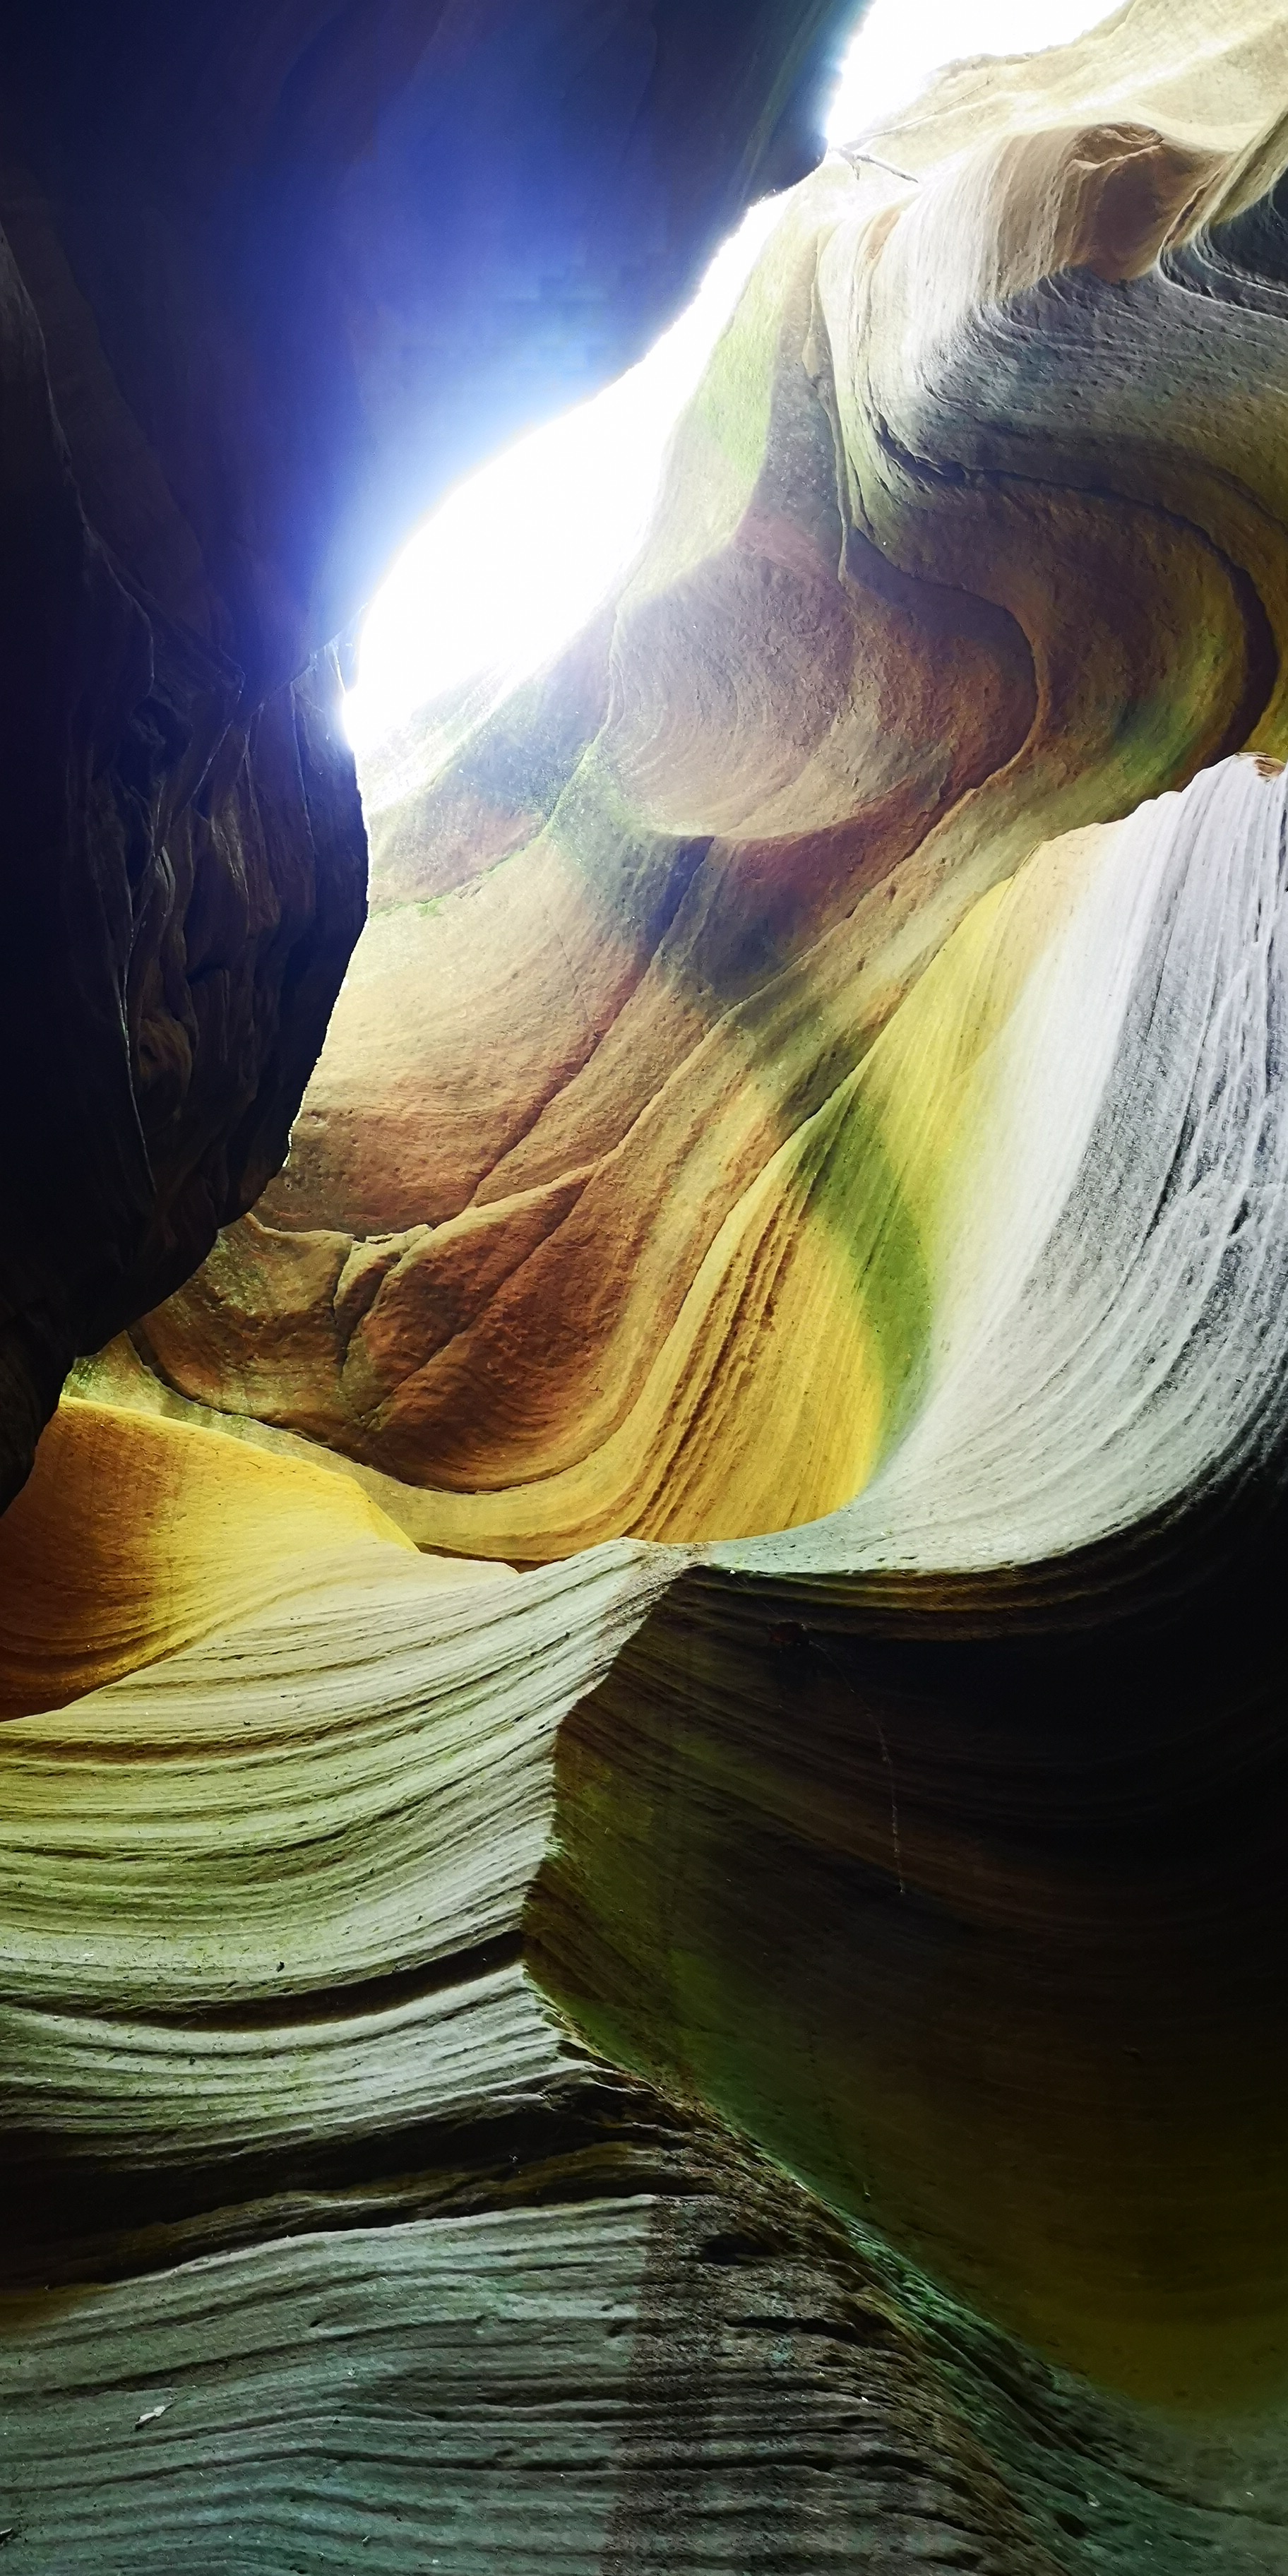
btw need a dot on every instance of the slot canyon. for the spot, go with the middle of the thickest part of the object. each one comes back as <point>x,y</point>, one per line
<point>644,1299</point>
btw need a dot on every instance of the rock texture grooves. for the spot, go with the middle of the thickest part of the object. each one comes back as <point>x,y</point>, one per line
<point>269,277</point>
<point>642,1892</point>
<point>798,919</point>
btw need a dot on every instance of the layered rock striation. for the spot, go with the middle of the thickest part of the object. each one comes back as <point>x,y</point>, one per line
<point>268,279</point>
<point>778,897</point>
<point>642,1865</point>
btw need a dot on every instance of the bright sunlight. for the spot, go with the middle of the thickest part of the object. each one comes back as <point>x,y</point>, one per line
<point>516,558</point>
<point>903,43</point>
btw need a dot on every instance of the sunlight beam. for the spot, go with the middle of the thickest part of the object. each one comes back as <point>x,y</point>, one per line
<point>516,558</point>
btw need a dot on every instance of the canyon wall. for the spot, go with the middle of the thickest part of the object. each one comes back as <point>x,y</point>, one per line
<point>642,1846</point>
<point>268,280</point>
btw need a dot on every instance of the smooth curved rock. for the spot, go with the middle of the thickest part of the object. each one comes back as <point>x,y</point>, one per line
<point>269,278</point>
<point>398,1974</point>
<point>939,579</point>
<point>725,2007</point>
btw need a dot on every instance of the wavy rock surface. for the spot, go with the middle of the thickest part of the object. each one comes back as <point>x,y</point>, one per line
<point>398,1976</point>
<point>933,585</point>
<point>269,278</point>
<point>757,2039</point>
